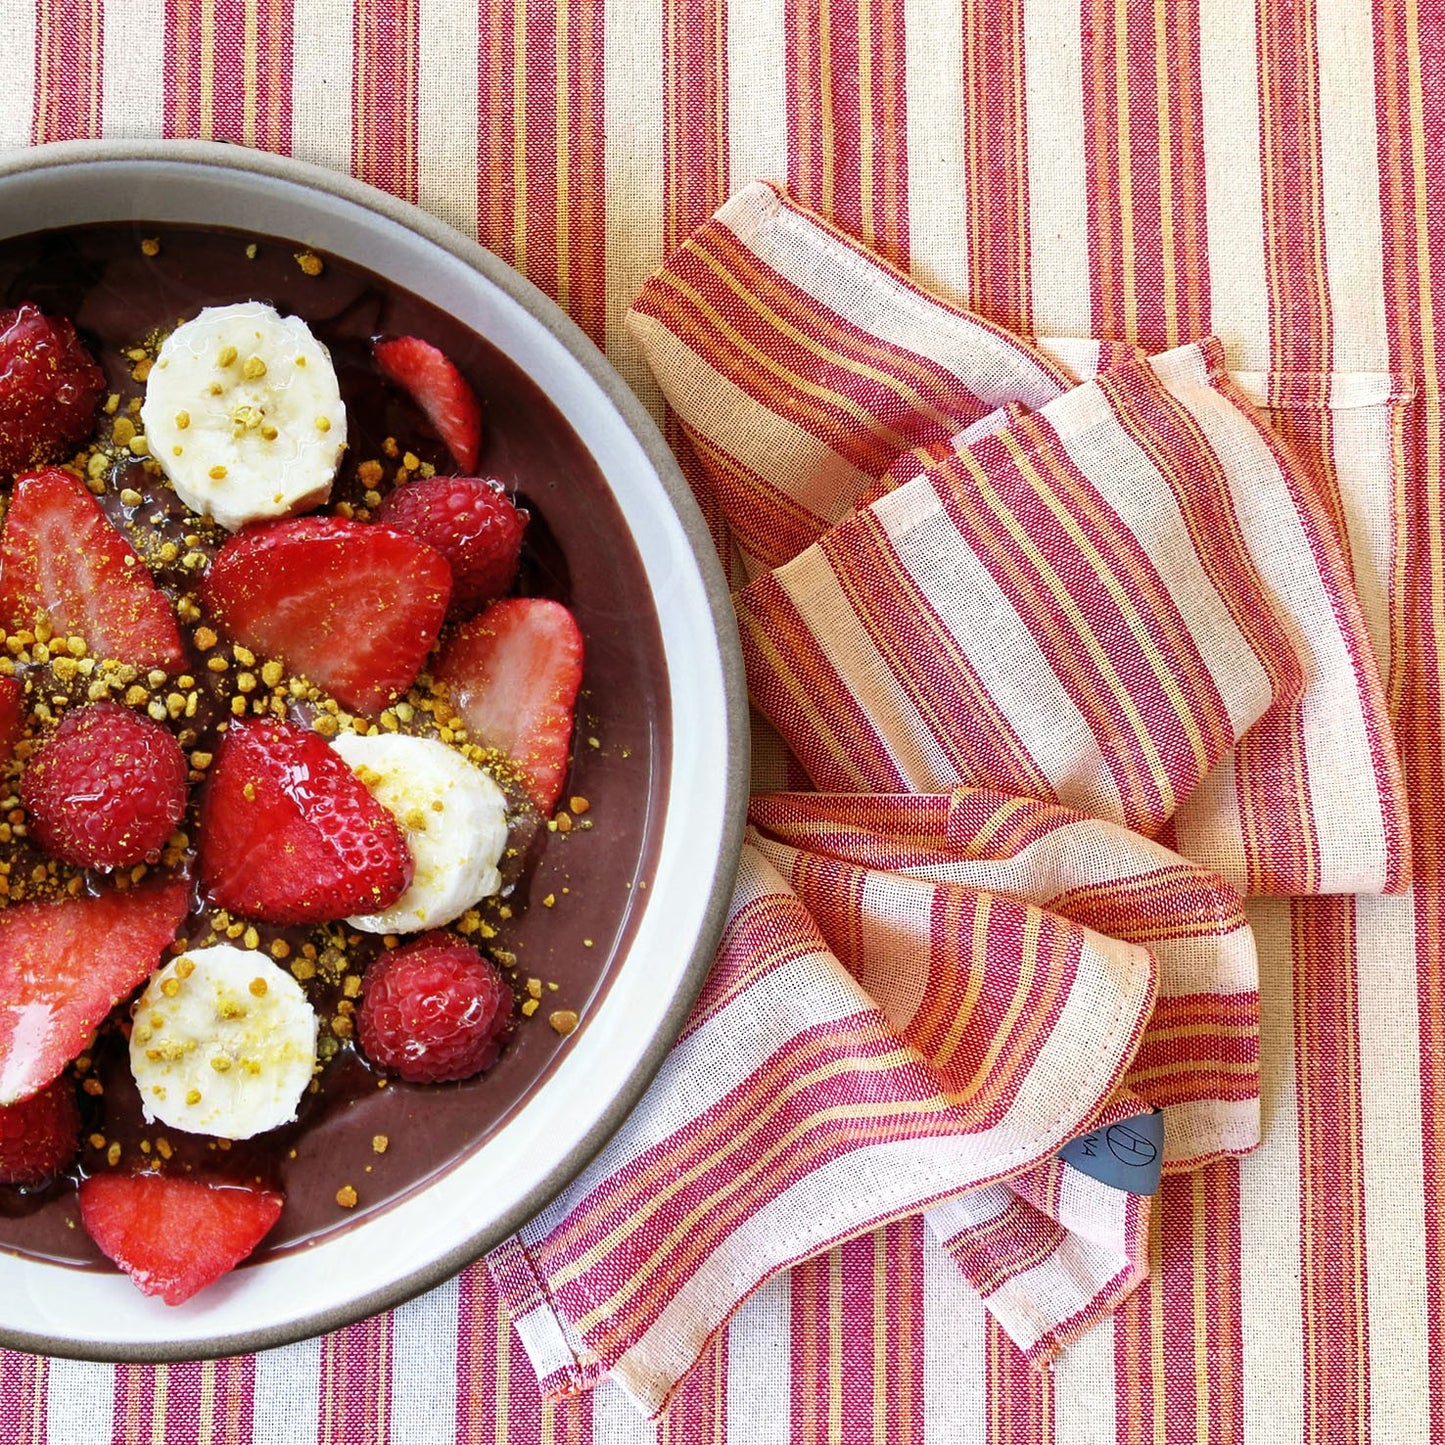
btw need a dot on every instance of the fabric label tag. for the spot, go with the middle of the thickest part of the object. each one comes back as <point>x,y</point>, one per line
<point>1128,1155</point>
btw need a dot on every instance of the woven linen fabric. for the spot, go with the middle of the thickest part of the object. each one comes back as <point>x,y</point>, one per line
<point>1043,569</point>
<point>1064,608</point>
<point>799,1109</point>
<point>881,362</point>
<point>1267,172</point>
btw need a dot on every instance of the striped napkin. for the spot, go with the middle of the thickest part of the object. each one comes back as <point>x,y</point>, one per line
<point>1053,658</point>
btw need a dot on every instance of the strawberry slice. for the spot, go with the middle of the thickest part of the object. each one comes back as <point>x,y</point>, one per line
<point>65,964</point>
<point>513,674</point>
<point>172,1235</point>
<point>290,834</point>
<point>60,559</point>
<point>353,607</point>
<point>12,717</point>
<point>440,390</point>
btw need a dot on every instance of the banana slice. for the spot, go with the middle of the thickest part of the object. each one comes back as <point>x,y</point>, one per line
<point>223,1043</point>
<point>244,414</point>
<point>454,817</point>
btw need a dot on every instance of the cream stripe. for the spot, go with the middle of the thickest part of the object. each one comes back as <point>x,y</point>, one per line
<point>632,45</point>
<point>1058,200</point>
<point>321,119</point>
<point>17,95</point>
<point>79,1399</point>
<point>1389,1033</point>
<point>760,1360</point>
<point>286,1400</point>
<point>423,1377</point>
<point>1269,1188</point>
<point>1002,651</point>
<point>757,82</point>
<point>1239,303</point>
<point>615,1420</point>
<point>1349,166</point>
<point>1365,469</point>
<point>447,113</point>
<point>954,1404</point>
<point>131,79</point>
<point>1085,1407</point>
<point>937,193</point>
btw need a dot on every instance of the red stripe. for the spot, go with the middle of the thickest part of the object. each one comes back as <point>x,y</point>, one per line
<point>1178,1342</point>
<point>541,192</point>
<point>1020,1399</point>
<point>229,64</point>
<point>355,1383</point>
<point>847,123</point>
<point>1410,66</point>
<point>1142,111</point>
<point>386,42</point>
<point>23,1400</point>
<point>68,99</point>
<point>995,126</point>
<point>1334,1274</point>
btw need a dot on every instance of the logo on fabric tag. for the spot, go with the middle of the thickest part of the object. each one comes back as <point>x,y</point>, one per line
<point>1128,1155</point>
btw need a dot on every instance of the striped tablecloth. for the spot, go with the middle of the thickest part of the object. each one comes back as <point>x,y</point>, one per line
<point>1270,172</point>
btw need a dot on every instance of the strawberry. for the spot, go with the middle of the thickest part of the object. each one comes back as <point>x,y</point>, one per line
<point>290,834</point>
<point>471,522</point>
<point>49,388</point>
<point>439,389</point>
<point>513,674</point>
<point>353,607</point>
<point>12,717</point>
<point>61,560</point>
<point>107,789</point>
<point>174,1235</point>
<point>64,965</point>
<point>434,1011</point>
<point>39,1136</point>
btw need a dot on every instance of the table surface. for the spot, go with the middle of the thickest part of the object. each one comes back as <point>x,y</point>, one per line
<point>1269,171</point>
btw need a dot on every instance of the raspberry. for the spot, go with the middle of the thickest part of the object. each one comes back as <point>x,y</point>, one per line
<point>434,1011</point>
<point>49,387</point>
<point>39,1136</point>
<point>107,790</point>
<point>470,521</point>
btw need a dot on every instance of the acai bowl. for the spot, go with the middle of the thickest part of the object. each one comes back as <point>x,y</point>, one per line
<point>613,901</point>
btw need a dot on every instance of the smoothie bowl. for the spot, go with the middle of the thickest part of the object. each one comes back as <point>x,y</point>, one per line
<point>444,698</point>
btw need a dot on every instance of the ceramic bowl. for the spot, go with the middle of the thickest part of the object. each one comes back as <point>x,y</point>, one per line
<point>601,1070</point>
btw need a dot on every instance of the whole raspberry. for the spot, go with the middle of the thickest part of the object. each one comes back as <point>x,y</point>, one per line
<point>107,790</point>
<point>434,1011</point>
<point>49,388</point>
<point>39,1135</point>
<point>470,521</point>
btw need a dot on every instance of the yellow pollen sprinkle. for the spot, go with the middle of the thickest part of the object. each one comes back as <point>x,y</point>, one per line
<point>254,369</point>
<point>323,423</point>
<point>193,1096</point>
<point>269,433</point>
<point>183,420</point>
<point>227,356</point>
<point>217,473</point>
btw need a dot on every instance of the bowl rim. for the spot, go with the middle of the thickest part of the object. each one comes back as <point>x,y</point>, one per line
<point>692,975</point>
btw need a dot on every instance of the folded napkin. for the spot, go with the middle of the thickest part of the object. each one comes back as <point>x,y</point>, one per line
<point>1036,621</point>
